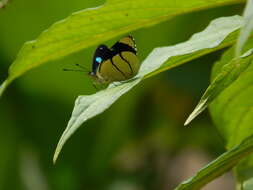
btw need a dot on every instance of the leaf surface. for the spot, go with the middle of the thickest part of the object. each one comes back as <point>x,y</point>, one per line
<point>228,74</point>
<point>219,166</point>
<point>232,111</point>
<point>96,25</point>
<point>210,39</point>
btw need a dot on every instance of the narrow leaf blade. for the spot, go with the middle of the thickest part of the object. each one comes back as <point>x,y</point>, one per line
<point>219,166</point>
<point>211,37</point>
<point>229,73</point>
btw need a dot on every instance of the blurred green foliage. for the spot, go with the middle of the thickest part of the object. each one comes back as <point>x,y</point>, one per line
<point>133,144</point>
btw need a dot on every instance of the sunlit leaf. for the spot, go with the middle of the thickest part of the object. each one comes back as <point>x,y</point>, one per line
<point>93,26</point>
<point>87,107</point>
<point>247,29</point>
<point>210,39</point>
<point>232,112</point>
<point>228,74</point>
<point>219,166</point>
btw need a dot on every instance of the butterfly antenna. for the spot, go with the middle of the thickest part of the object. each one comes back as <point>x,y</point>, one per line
<point>82,67</point>
<point>76,70</point>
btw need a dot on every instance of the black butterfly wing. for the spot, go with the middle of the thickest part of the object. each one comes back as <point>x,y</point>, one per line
<point>126,43</point>
<point>101,54</point>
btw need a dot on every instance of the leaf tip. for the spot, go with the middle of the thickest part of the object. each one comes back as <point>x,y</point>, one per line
<point>3,87</point>
<point>55,158</point>
<point>60,144</point>
<point>202,105</point>
<point>56,153</point>
<point>188,120</point>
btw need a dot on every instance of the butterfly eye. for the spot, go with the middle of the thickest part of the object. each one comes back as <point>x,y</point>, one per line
<point>98,59</point>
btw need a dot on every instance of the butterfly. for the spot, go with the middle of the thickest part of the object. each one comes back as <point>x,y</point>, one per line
<point>118,63</point>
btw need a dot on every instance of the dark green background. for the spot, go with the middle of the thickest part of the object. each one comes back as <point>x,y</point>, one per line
<point>139,143</point>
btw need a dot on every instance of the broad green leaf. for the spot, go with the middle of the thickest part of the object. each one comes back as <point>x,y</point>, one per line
<point>93,26</point>
<point>89,106</point>
<point>210,39</point>
<point>232,112</point>
<point>223,104</point>
<point>219,166</point>
<point>228,74</point>
<point>247,29</point>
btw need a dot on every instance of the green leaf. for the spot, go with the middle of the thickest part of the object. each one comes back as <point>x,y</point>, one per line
<point>90,27</point>
<point>89,106</point>
<point>211,39</point>
<point>219,166</point>
<point>228,74</point>
<point>200,43</point>
<point>232,111</point>
<point>246,30</point>
<point>248,185</point>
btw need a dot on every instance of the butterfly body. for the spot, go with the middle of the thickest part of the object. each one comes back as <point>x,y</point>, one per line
<point>117,63</point>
